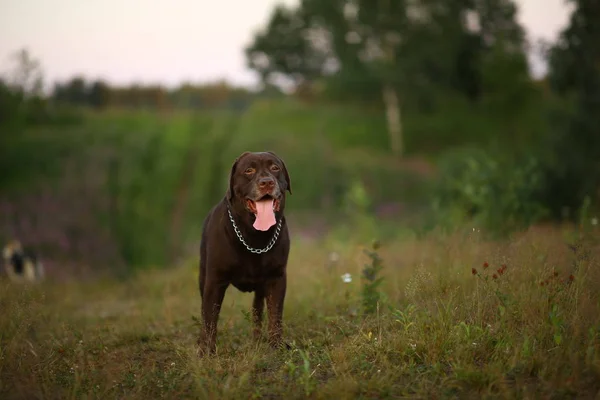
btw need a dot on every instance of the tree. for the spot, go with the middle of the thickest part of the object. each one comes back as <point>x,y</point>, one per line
<point>284,49</point>
<point>396,52</point>
<point>27,77</point>
<point>375,31</point>
<point>10,102</point>
<point>23,90</point>
<point>99,94</point>
<point>320,38</point>
<point>73,92</point>
<point>575,75</point>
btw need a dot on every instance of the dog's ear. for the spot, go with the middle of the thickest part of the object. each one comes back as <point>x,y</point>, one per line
<point>11,248</point>
<point>233,167</point>
<point>285,172</point>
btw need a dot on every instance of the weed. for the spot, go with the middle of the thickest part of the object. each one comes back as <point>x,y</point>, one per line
<point>371,280</point>
<point>531,332</point>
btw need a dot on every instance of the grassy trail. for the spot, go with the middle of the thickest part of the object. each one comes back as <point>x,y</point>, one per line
<point>441,332</point>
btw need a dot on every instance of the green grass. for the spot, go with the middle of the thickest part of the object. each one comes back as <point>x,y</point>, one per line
<point>440,332</point>
<point>147,179</point>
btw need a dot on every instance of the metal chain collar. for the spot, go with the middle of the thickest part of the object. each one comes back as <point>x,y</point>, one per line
<point>250,249</point>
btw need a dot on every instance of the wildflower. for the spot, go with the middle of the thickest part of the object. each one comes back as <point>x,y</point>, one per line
<point>495,276</point>
<point>485,265</point>
<point>347,278</point>
<point>571,278</point>
<point>473,271</point>
<point>542,283</point>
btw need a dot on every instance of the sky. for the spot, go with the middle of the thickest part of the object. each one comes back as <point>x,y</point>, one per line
<point>168,42</point>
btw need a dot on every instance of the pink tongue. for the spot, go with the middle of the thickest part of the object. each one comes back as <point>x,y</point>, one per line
<point>265,217</point>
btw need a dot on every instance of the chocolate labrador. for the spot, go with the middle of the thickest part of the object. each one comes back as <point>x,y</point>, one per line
<point>245,243</point>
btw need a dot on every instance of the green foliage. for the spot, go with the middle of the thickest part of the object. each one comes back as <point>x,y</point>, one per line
<point>149,179</point>
<point>506,83</point>
<point>77,92</point>
<point>304,372</point>
<point>371,296</point>
<point>23,155</point>
<point>393,55</point>
<point>131,182</point>
<point>575,75</point>
<point>98,95</point>
<point>158,197</point>
<point>23,105</point>
<point>344,144</point>
<point>357,46</point>
<point>10,111</point>
<point>498,193</point>
<point>284,49</point>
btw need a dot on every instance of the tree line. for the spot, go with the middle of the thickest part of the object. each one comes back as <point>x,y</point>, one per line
<point>398,53</point>
<point>100,95</point>
<point>23,88</point>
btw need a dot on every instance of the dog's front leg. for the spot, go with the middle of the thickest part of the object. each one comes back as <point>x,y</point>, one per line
<point>258,306</point>
<point>275,293</point>
<point>212,299</point>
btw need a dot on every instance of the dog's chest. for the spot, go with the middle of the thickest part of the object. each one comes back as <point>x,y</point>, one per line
<point>252,272</point>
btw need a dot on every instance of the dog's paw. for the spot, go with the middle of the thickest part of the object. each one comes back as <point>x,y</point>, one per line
<point>203,352</point>
<point>257,335</point>
<point>203,349</point>
<point>280,345</point>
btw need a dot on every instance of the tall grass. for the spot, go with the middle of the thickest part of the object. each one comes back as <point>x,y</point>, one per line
<point>130,189</point>
<point>525,325</point>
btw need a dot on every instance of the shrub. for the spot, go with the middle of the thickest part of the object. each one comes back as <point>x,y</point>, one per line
<point>500,194</point>
<point>371,295</point>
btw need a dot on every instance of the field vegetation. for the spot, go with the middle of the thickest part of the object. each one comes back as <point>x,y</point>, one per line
<point>444,217</point>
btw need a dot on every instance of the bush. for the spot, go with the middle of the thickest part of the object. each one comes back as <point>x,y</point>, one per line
<point>500,194</point>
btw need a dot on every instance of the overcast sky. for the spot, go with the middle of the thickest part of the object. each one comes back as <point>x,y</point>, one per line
<point>161,41</point>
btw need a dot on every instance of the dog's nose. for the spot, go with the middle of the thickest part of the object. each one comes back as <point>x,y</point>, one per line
<point>266,183</point>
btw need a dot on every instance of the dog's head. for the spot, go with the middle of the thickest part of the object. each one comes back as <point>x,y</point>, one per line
<point>21,265</point>
<point>11,248</point>
<point>257,185</point>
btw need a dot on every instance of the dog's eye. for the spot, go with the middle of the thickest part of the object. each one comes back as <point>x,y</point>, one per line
<point>274,168</point>
<point>249,171</point>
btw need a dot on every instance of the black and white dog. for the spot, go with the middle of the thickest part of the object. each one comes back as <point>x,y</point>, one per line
<point>21,265</point>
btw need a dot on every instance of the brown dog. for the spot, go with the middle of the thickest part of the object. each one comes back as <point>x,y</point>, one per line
<point>245,243</point>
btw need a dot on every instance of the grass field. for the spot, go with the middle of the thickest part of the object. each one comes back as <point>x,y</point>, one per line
<point>446,328</point>
<point>130,187</point>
